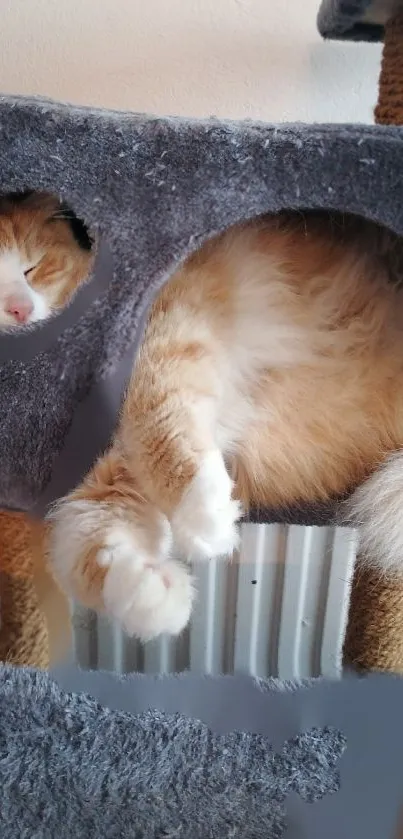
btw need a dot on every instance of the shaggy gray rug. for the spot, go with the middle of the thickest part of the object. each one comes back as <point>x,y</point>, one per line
<point>197,758</point>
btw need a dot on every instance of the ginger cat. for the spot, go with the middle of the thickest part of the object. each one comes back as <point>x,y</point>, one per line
<point>271,373</point>
<point>45,254</point>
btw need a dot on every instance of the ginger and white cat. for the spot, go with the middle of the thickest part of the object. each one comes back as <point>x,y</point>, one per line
<point>271,374</point>
<point>42,260</point>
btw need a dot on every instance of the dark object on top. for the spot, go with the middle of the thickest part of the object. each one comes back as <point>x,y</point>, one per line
<point>355,20</point>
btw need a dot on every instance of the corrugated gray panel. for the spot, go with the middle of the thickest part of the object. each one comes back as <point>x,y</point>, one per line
<point>279,608</point>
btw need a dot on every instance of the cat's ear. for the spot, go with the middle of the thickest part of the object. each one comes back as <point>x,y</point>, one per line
<point>79,230</point>
<point>19,197</point>
<point>60,211</point>
<point>44,202</point>
<point>51,208</point>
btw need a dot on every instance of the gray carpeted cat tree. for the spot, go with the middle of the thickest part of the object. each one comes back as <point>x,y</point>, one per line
<point>176,757</point>
<point>152,190</point>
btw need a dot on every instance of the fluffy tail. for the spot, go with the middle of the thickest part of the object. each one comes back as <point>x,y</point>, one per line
<point>376,509</point>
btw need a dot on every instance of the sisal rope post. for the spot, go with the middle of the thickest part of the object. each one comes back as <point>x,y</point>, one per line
<point>389,110</point>
<point>35,626</point>
<point>23,631</point>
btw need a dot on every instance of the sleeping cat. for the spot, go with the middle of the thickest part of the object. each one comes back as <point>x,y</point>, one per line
<point>44,257</point>
<point>271,374</point>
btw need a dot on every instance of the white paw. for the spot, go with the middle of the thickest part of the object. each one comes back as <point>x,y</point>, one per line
<point>146,597</point>
<point>204,523</point>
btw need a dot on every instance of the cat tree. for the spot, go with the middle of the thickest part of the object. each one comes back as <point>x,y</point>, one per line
<point>184,756</point>
<point>119,172</point>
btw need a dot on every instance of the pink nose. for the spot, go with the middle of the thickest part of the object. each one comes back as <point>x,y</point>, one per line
<point>19,307</point>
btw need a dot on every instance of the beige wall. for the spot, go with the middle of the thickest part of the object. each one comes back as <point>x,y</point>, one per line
<point>235,58</point>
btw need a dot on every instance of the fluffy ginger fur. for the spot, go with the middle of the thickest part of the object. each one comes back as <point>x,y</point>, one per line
<point>270,374</point>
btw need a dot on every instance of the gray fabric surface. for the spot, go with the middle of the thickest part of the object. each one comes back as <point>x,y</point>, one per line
<point>152,190</point>
<point>198,757</point>
<point>70,768</point>
<point>355,20</point>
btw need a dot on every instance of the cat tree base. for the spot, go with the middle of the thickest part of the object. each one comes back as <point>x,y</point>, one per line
<point>23,631</point>
<point>374,638</point>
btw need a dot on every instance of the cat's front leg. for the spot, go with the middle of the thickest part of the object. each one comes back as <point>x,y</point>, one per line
<point>168,432</point>
<point>204,523</point>
<point>111,551</point>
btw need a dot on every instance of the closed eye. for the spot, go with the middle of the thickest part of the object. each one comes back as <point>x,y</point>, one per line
<point>29,270</point>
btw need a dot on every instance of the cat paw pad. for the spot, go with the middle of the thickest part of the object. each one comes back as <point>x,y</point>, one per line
<point>146,597</point>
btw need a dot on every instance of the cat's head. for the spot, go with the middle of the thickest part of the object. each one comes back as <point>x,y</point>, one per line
<point>45,254</point>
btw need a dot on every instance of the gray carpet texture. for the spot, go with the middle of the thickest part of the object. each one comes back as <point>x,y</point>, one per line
<point>150,190</point>
<point>355,20</point>
<point>197,757</point>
